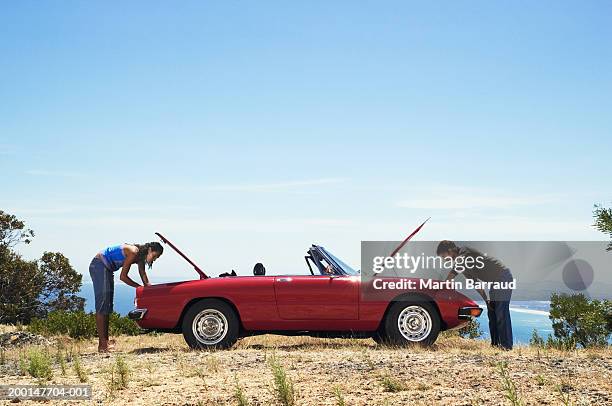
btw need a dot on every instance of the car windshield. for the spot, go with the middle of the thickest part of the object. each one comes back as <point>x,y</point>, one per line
<point>345,267</point>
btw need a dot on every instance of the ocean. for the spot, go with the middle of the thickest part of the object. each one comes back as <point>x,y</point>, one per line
<point>526,316</point>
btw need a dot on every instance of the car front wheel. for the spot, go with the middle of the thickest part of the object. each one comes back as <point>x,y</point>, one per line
<point>210,324</point>
<point>412,323</point>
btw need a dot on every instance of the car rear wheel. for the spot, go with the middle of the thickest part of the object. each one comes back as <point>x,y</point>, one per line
<point>411,323</point>
<point>210,324</point>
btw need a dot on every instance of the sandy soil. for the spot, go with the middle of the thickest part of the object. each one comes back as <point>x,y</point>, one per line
<point>328,372</point>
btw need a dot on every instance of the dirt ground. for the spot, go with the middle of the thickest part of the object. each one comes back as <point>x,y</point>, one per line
<point>162,370</point>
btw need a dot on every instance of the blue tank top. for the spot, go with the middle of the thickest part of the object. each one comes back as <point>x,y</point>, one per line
<point>113,257</point>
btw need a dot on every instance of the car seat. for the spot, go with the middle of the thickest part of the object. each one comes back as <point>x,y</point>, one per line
<point>259,269</point>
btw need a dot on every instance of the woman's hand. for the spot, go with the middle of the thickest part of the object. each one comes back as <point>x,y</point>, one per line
<point>143,274</point>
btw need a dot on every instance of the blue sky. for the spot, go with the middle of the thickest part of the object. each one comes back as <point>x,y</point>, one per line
<point>246,131</point>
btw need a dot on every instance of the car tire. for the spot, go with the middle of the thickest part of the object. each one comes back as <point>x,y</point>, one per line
<point>411,323</point>
<point>210,324</point>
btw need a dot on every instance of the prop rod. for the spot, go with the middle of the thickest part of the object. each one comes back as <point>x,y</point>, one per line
<point>399,247</point>
<point>198,270</point>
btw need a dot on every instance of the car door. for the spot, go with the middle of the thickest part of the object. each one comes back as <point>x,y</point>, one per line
<point>317,297</point>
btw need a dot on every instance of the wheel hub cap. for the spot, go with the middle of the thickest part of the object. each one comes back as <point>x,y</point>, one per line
<point>209,326</point>
<point>414,323</point>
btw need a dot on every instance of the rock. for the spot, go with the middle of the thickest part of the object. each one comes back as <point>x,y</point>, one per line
<point>21,338</point>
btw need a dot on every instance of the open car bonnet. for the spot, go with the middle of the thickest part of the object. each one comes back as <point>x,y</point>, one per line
<point>197,268</point>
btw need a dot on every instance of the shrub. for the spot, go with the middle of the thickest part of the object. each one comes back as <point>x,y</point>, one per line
<point>536,340</point>
<point>81,325</point>
<point>471,330</point>
<point>119,325</point>
<point>578,320</point>
<point>39,364</point>
<point>391,384</point>
<point>239,395</point>
<point>560,344</point>
<point>603,221</point>
<point>339,397</point>
<point>510,390</point>
<point>31,289</point>
<point>61,359</point>
<point>120,374</point>
<point>73,324</point>
<point>283,385</point>
<point>23,364</point>
<point>80,372</point>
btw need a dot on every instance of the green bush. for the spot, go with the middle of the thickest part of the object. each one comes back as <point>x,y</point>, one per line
<point>471,330</point>
<point>80,372</point>
<point>578,320</point>
<point>120,374</point>
<point>81,325</point>
<point>284,390</point>
<point>73,324</point>
<point>123,326</point>
<point>536,339</point>
<point>39,364</point>
<point>391,384</point>
<point>31,289</point>
<point>560,343</point>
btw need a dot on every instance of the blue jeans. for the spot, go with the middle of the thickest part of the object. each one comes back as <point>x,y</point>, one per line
<point>500,324</point>
<point>103,284</point>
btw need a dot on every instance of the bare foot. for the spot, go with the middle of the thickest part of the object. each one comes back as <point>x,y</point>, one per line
<point>106,346</point>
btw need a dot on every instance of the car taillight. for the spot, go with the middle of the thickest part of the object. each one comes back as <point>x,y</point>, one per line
<point>469,311</point>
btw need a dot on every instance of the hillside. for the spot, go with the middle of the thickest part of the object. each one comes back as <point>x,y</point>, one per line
<point>162,370</point>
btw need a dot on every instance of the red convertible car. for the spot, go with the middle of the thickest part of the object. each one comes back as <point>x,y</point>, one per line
<point>216,312</point>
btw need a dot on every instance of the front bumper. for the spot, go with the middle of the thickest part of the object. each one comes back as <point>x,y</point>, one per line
<point>137,314</point>
<point>469,312</point>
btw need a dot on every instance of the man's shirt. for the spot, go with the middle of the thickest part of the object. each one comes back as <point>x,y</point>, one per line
<point>490,272</point>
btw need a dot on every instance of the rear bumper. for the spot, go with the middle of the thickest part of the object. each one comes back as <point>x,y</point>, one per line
<point>137,314</point>
<point>469,312</point>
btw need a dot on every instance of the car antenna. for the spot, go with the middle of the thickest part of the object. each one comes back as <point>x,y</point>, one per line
<point>399,247</point>
<point>197,268</point>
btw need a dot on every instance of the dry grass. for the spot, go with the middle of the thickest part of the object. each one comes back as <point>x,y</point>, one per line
<point>7,328</point>
<point>162,370</point>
